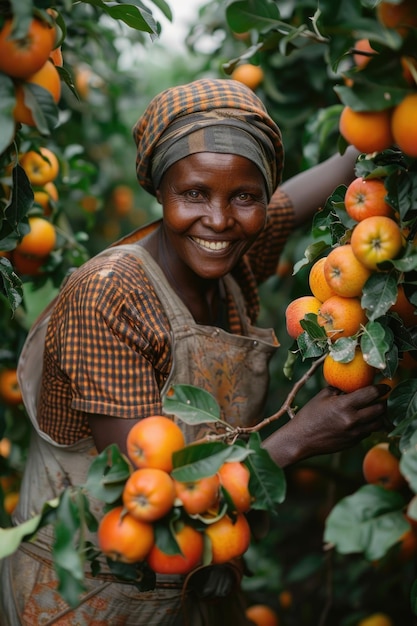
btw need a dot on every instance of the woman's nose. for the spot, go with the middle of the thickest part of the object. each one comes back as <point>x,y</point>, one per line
<point>218,217</point>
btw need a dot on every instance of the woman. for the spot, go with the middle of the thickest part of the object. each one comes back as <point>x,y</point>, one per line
<point>179,306</point>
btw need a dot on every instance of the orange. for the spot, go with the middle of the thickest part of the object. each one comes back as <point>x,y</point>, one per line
<point>398,16</point>
<point>285,599</point>
<point>56,57</point>
<point>407,546</point>
<point>90,203</point>
<point>345,274</point>
<point>248,74</point>
<point>341,317</point>
<point>234,478</point>
<point>149,494</point>
<point>368,131</point>
<point>363,45</point>
<point>191,545</point>
<point>199,495</point>
<point>409,69</point>
<point>41,167</point>
<point>27,265</point>
<point>40,240</point>
<point>152,441</point>
<point>365,198</point>
<point>376,239</point>
<point>404,308</point>
<point>9,386</point>
<point>48,78</point>
<point>5,447</point>
<point>262,615</point>
<point>318,283</point>
<point>404,125</point>
<point>295,312</point>
<point>350,376</point>
<point>229,538</point>
<point>23,57</point>
<point>122,199</point>
<point>46,196</point>
<point>10,502</point>
<point>381,467</point>
<point>121,537</point>
<point>376,619</point>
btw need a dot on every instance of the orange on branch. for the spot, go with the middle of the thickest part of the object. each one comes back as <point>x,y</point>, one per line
<point>229,538</point>
<point>368,131</point>
<point>365,198</point>
<point>363,46</point>
<point>10,391</point>
<point>350,376</point>
<point>152,441</point>
<point>341,317</point>
<point>345,274</point>
<point>22,57</point>
<point>262,615</point>
<point>122,537</point>
<point>27,265</point>
<point>46,196</point>
<point>400,16</point>
<point>248,74</point>
<point>404,308</point>
<point>149,494</point>
<point>40,240</point>
<point>381,467</point>
<point>41,167</point>
<point>296,311</point>
<point>199,495</point>
<point>234,478</point>
<point>48,78</point>
<point>404,125</point>
<point>191,545</point>
<point>318,284</point>
<point>376,239</point>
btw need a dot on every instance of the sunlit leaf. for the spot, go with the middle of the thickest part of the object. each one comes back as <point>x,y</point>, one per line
<point>343,349</point>
<point>375,342</point>
<point>379,294</point>
<point>191,404</point>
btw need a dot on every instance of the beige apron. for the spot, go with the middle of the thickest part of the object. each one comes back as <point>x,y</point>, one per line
<point>234,369</point>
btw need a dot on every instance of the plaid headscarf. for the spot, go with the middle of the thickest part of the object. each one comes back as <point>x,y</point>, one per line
<point>186,119</point>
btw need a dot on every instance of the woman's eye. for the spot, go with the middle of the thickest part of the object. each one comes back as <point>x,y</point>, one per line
<point>193,194</point>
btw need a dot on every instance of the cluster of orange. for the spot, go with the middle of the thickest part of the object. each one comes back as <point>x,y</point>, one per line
<point>31,59</point>
<point>127,533</point>
<point>33,249</point>
<point>337,280</point>
<point>375,131</point>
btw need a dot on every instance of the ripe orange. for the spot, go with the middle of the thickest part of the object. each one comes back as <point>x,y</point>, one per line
<point>48,78</point>
<point>262,615</point>
<point>5,447</point>
<point>285,599</point>
<point>21,58</point>
<point>9,386</point>
<point>41,167</point>
<point>121,537</point>
<point>368,131</point>
<point>295,312</point>
<point>404,125</point>
<point>248,74</point>
<point>122,199</point>
<point>341,317</point>
<point>191,545</point>
<point>376,239</point>
<point>404,308</point>
<point>40,240</point>
<point>376,619</point>
<point>152,441</point>
<point>229,539</point>
<point>149,494</point>
<point>10,501</point>
<point>362,45</point>
<point>350,376</point>
<point>407,546</point>
<point>365,198</point>
<point>318,283</point>
<point>381,467</point>
<point>234,477</point>
<point>398,16</point>
<point>199,495</point>
<point>90,203</point>
<point>45,196</point>
<point>345,274</point>
<point>27,265</point>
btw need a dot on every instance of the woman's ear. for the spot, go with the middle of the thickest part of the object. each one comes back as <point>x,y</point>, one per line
<point>158,196</point>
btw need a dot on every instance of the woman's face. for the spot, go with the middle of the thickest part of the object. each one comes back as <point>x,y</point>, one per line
<point>214,207</point>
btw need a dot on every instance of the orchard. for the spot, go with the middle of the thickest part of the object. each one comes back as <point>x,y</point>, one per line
<point>341,548</point>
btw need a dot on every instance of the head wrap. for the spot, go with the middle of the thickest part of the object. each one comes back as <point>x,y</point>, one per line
<point>207,115</point>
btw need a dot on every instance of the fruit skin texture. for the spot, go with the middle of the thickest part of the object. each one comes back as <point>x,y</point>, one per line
<point>248,74</point>
<point>123,538</point>
<point>368,131</point>
<point>191,545</point>
<point>9,387</point>
<point>152,441</point>
<point>376,239</point>
<point>404,125</point>
<point>228,540</point>
<point>341,317</point>
<point>21,58</point>
<point>48,78</point>
<point>41,167</point>
<point>40,240</point>
<point>295,312</point>
<point>381,467</point>
<point>365,198</point>
<point>376,619</point>
<point>318,283</point>
<point>149,494</point>
<point>234,477</point>
<point>199,495</point>
<point>262,615</point>
<point>345,274</point>
<point>350,376</point>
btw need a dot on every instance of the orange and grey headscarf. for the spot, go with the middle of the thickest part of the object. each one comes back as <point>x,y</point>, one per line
<point>207,115</point>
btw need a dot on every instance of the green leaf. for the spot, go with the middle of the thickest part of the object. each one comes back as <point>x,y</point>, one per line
<point>42,106</point>
<point>204,459</point>
<point>369,521</point>
<point>133,16</point>
<point>379,294</point>
<point>258,14</point>
<point>408,464</point>
<point>343,349</point>
<point>309,348</point>
<point>267,482</point>
<point>375,342</point>
<point>107,474</point>
<point>8,101</point>
<point>10,284</point>
<point>191,404</point>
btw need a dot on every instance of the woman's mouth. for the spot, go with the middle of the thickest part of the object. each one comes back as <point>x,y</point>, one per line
<point>211,245</point>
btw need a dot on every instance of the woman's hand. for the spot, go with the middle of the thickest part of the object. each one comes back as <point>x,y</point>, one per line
<point>330,422</point>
